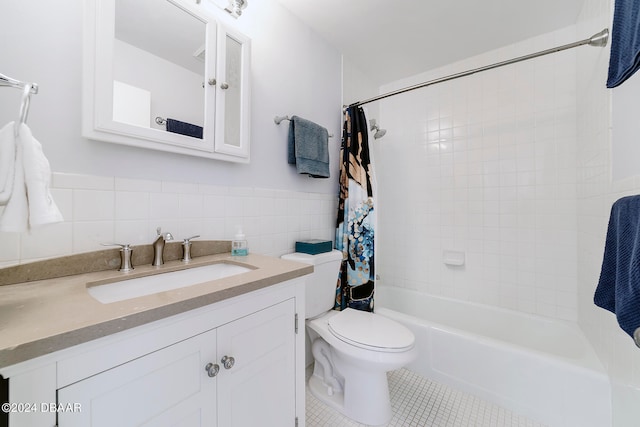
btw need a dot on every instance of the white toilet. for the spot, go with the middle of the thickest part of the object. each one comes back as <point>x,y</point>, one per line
<point>353,350</point>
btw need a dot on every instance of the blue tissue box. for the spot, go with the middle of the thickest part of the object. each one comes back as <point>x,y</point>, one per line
<point>314,246</point>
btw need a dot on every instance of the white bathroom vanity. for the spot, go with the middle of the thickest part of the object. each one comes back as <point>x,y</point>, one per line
<point>225,352</point>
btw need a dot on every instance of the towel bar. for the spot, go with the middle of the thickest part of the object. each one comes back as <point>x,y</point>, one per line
<point>278,119</point>
<point>8,81</point>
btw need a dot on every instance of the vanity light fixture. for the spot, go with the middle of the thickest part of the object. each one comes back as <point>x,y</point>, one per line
<point>235,7</point>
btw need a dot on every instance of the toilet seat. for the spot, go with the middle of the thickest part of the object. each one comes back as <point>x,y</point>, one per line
<point>370,331</point>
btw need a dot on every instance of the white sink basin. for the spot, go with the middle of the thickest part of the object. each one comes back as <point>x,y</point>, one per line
<point>147,285</point>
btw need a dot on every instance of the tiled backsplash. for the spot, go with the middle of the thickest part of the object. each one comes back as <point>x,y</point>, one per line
<point>484,164</point>
<point>110,209</point>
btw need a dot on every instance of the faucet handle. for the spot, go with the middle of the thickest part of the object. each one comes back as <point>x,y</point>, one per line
<point>122,245</point>
<point>188,239</point>
<point>186,248</point>
<point>125,255</point>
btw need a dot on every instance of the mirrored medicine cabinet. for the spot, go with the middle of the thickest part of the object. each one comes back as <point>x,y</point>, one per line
<point>164,75</point>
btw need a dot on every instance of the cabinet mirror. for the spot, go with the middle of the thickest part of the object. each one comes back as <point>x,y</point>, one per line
<point>163,75</point>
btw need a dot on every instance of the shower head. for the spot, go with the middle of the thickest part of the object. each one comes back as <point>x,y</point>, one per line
<point>379,132</point>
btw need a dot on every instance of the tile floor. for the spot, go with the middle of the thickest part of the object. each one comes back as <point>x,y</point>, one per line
<point>418,402</point>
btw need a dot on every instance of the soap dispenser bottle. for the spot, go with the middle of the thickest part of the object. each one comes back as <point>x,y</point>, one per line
<point>239,246</point>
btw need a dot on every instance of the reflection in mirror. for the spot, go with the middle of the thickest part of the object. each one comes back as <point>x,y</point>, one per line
<point>159,67</point>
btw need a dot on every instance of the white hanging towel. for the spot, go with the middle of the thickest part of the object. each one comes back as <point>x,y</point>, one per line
<point>7,162</point>
<point>16,212</point>
<point>30,204</point>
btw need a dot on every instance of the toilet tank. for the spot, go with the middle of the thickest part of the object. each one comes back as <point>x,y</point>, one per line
<point>320,286</point>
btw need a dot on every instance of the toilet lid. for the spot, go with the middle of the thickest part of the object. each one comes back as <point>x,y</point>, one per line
<point>368,330</point>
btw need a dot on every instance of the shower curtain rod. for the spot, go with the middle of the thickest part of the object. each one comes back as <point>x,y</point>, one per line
<point>598,39</point>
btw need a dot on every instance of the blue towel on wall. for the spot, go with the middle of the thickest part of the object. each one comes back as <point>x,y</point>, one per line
<point>184,128</point>
<point>308,145</point>
<point>619,287</point>
<point>625,42</point>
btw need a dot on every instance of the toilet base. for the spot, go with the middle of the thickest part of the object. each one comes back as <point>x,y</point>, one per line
<point>334,400</point>
<point>352,379</point>
<point>362,406</point>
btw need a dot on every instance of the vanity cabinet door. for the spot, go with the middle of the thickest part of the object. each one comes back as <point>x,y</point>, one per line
<point>169,387</point>
<point>259,389</point>
<point>254,386</point>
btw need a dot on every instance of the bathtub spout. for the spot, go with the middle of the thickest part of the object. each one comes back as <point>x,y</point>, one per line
<point>321,354</point>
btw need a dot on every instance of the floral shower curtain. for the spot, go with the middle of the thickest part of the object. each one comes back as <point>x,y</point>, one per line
<point>355,222</point>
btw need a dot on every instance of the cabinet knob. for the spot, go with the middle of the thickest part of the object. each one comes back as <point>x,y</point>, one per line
<point>227,362</point>
<point>212,369</point>
<point>212,82</point>
<point>224,86</point>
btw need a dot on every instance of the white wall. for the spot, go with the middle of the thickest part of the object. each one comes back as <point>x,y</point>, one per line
<point>485,165</point>
<point>294,72</point>
<point>600,140</point>
<point>625,150</point>
<point>359,87</point>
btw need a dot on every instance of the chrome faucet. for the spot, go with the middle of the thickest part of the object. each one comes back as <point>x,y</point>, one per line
<point>158,247</point>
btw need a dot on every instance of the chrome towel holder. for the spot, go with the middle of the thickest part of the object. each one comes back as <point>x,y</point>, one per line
<point>278,119</point>
<point>8,81</point>
<point>27,90</point>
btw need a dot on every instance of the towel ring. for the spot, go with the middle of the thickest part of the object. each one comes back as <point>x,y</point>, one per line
<point>24,107</point>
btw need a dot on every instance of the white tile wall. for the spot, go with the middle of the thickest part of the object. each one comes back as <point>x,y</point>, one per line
<point>596,192</point>
<point>111,209</point>
<point>486,165</point>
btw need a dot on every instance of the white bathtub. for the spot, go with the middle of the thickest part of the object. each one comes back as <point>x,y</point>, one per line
<point>535,366</point>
